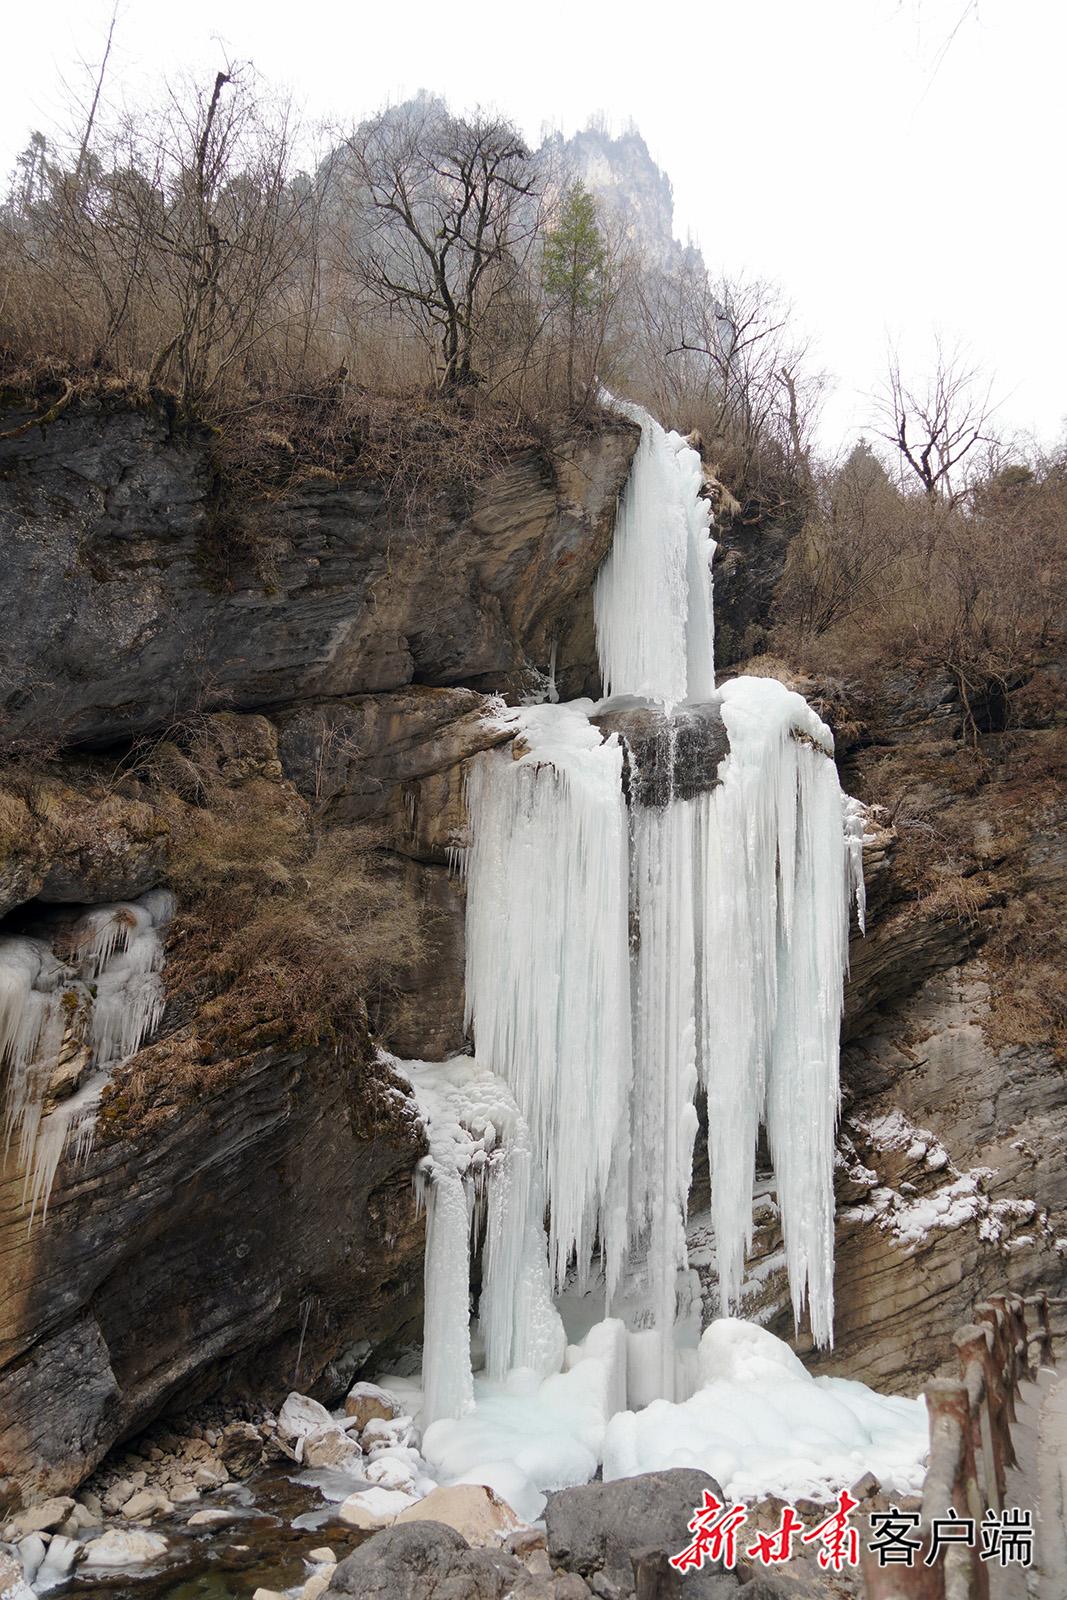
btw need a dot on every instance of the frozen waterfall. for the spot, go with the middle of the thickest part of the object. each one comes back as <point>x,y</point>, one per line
<point>652,601</point>
<point>72,1008</point>
<point>629,940</point>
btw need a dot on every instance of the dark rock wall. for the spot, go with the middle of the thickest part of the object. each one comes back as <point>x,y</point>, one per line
<point>253,1226</point>
<point>122,612</point>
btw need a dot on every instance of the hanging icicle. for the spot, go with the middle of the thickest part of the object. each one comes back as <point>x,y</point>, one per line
<point>104,999</point>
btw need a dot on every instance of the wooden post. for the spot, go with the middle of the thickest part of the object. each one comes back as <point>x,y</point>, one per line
<point>974,1344</point>
<point>951,1487</point>
<point>970,1422</point>
<point>1039,1332</point>
<point>1003,1411</point>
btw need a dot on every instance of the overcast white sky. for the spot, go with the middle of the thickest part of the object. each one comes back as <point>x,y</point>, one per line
<point>896,165</point>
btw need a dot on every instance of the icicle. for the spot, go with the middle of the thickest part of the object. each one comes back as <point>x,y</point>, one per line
<point>776,823</point>
<point>448,1385</point>
<point>663,1116</point>
<point>115,981</point>
<point>652,601</point>
<point>479,1144</point>
<point>547,962</point>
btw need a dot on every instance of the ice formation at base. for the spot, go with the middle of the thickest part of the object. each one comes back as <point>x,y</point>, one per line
<point>628,943</point>
<point>88,1007</point>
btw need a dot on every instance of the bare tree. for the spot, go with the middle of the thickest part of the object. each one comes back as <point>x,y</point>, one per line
<point>936,428</point>
<point>452,215</point>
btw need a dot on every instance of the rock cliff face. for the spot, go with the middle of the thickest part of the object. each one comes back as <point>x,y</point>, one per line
<point>117,620</point>
<point>246,1218</point>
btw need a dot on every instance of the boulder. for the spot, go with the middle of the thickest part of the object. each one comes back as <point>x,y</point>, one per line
<point>330,1447</point>
<point>119,1547</point>
<point>212,1517</point>
<point>210,1477</point>
<point>40,1519</point>
<point>300,1415</point>
<point>118,1494</point>
<point>473,1509</point>
<point>146,1503</point>
<point>365,1402</point>
<point>240,1448</point>
<point>603,1527</point>
<point>80,1517</point>
<point>428,1561</point>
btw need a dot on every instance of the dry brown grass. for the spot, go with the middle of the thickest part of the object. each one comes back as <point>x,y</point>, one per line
<point>280,924</point>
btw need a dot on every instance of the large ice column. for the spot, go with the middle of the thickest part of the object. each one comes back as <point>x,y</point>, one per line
<point>447,1381</point>
<point>653,593</point>
<point>663,1116</point>
<point>548,965</point>
<point>107,988</point>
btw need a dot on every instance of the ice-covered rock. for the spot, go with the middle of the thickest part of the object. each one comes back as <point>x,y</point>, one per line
<point>366,1402</point>
<point>300,1415</point>
<point>120,1547</point>
<point>32,1549</point>
<point>59,1559</point>
<point>374,1508</point>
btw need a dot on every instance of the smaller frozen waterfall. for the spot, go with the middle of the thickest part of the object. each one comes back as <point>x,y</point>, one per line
<point>652,601</point>
<point>70,1011</point>
<point>480,1171</point>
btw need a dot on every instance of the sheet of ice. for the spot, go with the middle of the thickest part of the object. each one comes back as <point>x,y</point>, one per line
<point>761,1425</point>
<point>547,976</point>
<point>652,601</point>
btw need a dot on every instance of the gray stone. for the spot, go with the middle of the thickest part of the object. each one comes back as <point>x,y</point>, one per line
<point>428,1561</point>
<point>240,1448</point>
<point>673,756</point>
<point>41,1518</point>
<point>591,1528</point>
